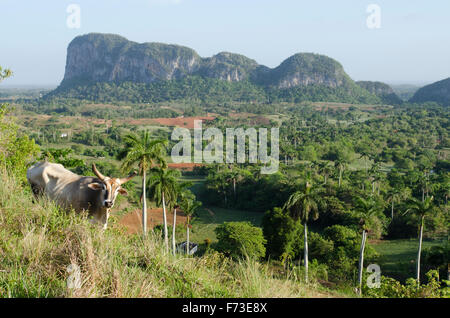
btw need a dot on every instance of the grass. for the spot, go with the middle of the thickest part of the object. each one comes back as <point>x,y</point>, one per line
<point>39,242</point>
<point>398,257</point>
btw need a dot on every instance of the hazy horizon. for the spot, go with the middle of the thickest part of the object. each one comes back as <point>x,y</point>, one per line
<point>411,46</point>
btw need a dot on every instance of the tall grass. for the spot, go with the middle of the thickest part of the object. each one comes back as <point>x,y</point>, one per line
<point>38,242</point>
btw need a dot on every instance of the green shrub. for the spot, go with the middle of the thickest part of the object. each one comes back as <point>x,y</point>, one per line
<point>238,239</point>
<point>280,232</point>
<point>391,288</point>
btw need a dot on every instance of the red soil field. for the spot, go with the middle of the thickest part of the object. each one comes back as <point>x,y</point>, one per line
<point>133,221</point>
<point>185,122</point>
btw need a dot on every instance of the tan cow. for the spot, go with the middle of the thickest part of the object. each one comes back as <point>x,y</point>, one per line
<point>69,190</point>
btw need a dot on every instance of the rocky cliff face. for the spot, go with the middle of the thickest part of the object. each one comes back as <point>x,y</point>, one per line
<point>382,90</point>
<point>111,58</point>
<point>304,69</point>
<point>107,57</point>
<point>227,66</point>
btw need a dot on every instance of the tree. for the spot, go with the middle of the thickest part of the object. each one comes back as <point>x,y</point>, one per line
<point>367,155</point>
<point>325,169</point>
<point>218,181</point>
<point>365,209</point>
<point>303,206</point>
<point>341,164</point>
<point>162,185</point>
<point>189,205</point>
<point>16,149</point>
<point>396,195</point>
<point>146,153</point>
<point>281,231</point>
<point>181,193</point>
<point>240,239</point>
<point>421,209</point>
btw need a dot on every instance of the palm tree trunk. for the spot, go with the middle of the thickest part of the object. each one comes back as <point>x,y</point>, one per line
<point>187,236</point>
<point>144,206</point>
<point>361,260</point>
<point>173,230</point>
<point>392,209</point>
<point>419,252</point>
<point>306,253</point>
<point>166,237</point>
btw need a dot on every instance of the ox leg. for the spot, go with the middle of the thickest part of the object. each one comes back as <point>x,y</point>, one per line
<point>37,191</point>
<point>100,219</point>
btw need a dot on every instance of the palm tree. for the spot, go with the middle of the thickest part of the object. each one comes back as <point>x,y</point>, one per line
<point>189,206</point>
<point>375,175</point>
<point>162,185</point>
<point>219,182</point>
<point>181,193</point>
<point>235,175</point>
<point>340,164</point>
<point>145,152</point>
<point>325,169</point>
<point>421,209</point>
<point>365,209</point>
<point>367,156</point>
<point>396,195</point>
<point>303,206</point>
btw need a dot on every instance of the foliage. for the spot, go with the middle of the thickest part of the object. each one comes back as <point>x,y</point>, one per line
<point>61,156</point>
<point>280,232</point>
<point>240,239</point>
<point>391,288</point>
<point>16,149</point>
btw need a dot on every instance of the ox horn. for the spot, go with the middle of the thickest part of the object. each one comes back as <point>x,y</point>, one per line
<point>97,173</point>
<point>132,175</point>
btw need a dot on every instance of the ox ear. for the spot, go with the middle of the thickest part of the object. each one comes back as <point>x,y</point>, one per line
<point>95,186</point>
<point>122,191</point>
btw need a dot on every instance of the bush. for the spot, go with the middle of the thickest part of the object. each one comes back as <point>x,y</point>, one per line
<point>16,150</point>
<point>391,288</point>
<point>437,257</point>
<point>238,239</point>
<point>280,232</point>
<point>343,259</point>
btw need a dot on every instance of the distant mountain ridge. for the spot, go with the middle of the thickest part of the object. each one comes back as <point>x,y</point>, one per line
<point>112,58</point>
<point>438,92</point>
<point>108,58</point>
<point>382,90</point>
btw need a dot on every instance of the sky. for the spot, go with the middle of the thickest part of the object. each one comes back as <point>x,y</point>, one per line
<point>411,44</point>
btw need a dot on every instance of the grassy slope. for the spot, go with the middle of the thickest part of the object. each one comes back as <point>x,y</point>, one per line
<point>38,242</point>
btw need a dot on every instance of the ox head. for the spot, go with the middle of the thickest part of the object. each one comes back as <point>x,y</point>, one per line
<point>110,187</point>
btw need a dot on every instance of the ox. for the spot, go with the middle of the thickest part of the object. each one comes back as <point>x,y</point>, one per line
<point>71,191</point>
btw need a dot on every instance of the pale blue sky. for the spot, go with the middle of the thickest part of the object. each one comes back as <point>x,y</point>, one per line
<point>412,45</point>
